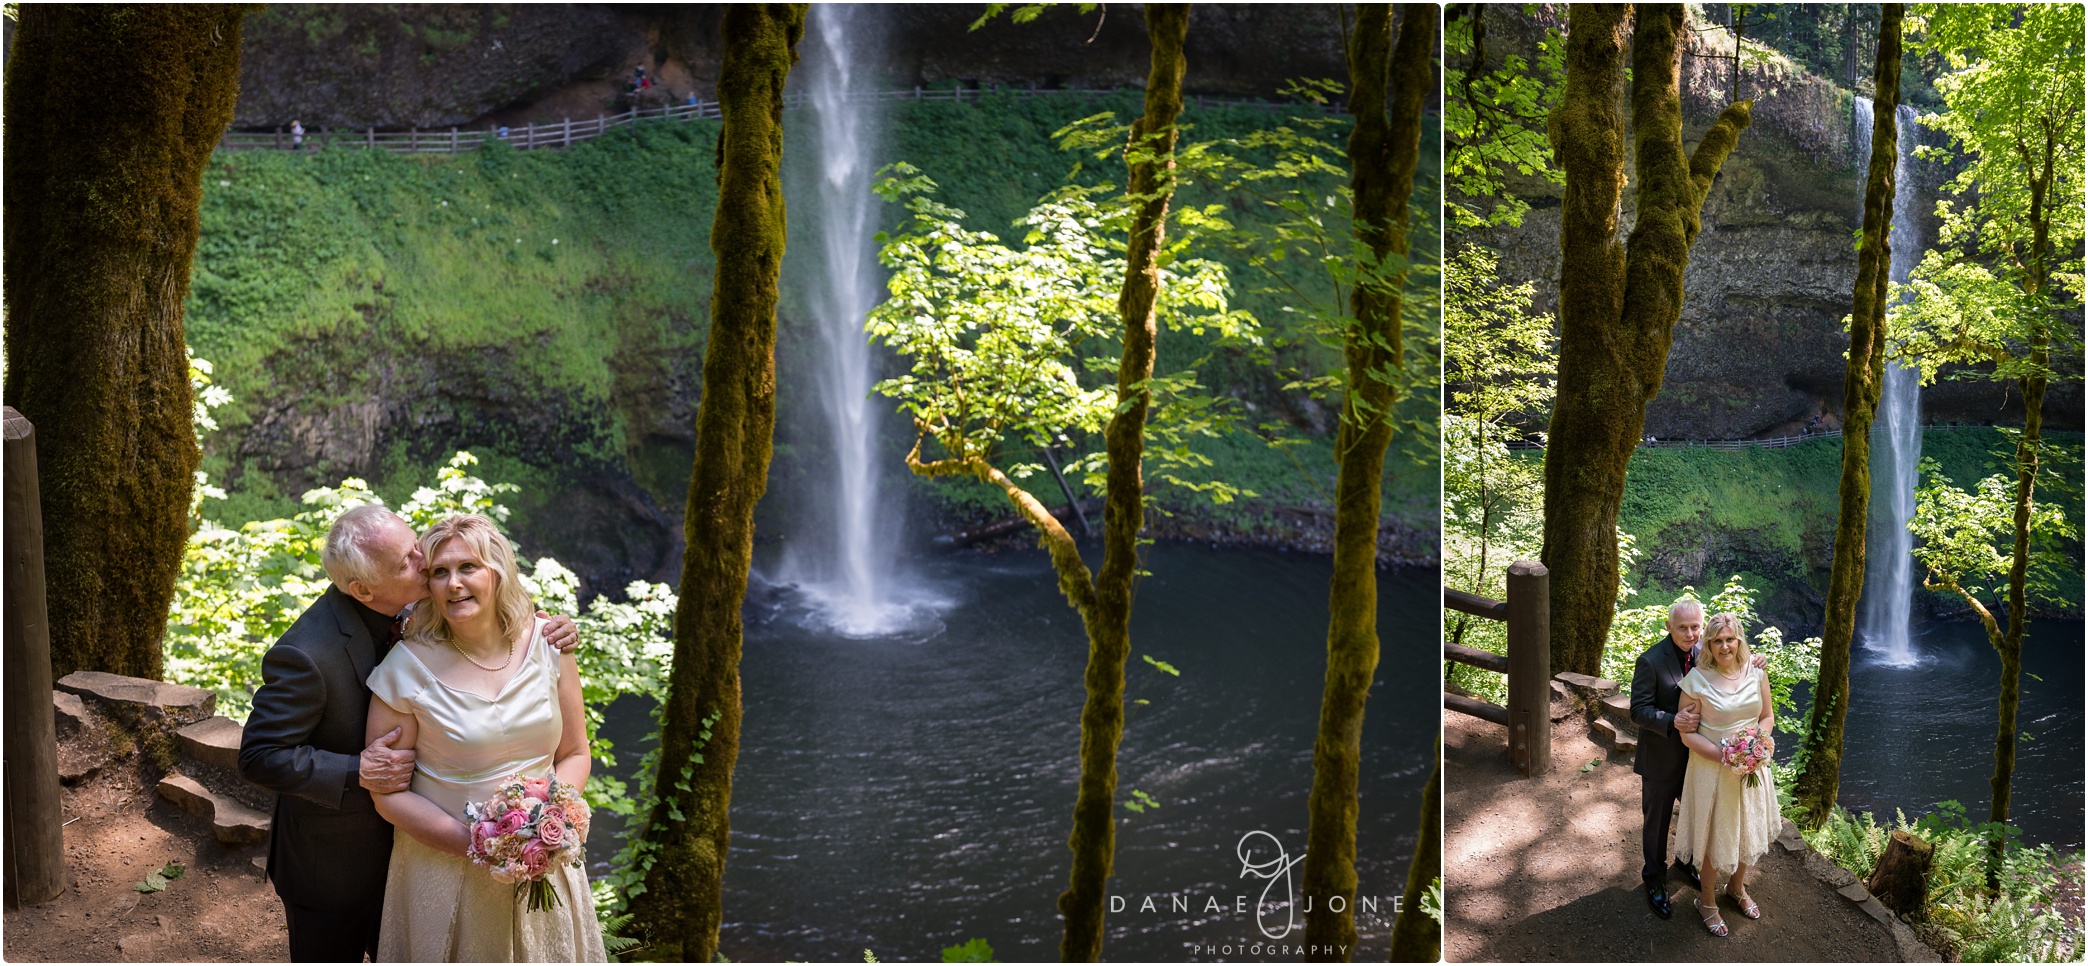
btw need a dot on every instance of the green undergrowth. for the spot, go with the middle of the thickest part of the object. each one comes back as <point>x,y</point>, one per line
<point>2025,919</point>
<point>547,309</point>
<point>1777,506</point>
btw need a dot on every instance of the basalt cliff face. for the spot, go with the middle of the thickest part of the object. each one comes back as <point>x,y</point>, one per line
<point>1759,350</point>
<point>437,65</point>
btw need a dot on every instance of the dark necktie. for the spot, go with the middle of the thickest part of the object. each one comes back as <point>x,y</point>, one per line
<point>1688,658</point>
<point>398,633</point>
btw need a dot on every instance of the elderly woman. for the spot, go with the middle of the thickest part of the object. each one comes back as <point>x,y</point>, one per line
<point>1726,820</point>
<point>479,696</point>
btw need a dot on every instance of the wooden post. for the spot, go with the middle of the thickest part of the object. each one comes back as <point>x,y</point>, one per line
<point>35,844</point>
<point>453,140</point>
<point>1529,666</point>
<point>413,140</point>
<point>568,142</point>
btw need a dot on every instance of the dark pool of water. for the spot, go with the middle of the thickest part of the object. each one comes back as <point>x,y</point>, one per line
<point>904,797</point>
<point>1924,734</point>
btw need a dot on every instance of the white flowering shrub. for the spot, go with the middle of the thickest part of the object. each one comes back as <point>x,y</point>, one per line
<point>239,590</point>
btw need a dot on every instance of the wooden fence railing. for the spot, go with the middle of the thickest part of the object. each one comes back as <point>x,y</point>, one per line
<point>1778,442</point>
<point>563,133</point>
<point>1527,612</point>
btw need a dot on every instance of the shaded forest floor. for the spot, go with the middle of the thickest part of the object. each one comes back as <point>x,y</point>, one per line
<point>220,910</point>
<point>1546,870</point>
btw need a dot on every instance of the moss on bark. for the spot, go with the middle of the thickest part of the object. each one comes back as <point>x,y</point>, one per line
<point>1151,158</point>
<point>1820,781</point>
<point>687,834</point>
<point>100,227</point>
<point>1618,302</point>
<point>1416,936</point>
<point>1383,149</point>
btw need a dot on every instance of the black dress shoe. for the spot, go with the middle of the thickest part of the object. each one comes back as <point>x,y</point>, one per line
<point>1656,897</point>
<point>1691,872</point>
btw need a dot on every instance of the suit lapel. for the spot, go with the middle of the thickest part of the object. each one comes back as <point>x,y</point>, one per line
<point>362,651</point>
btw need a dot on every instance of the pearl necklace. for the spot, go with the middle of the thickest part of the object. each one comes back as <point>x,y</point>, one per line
<point>476,664</point>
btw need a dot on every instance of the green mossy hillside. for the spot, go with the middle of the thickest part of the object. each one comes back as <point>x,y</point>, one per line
<point>372,312</point>
<point>1701,515</point>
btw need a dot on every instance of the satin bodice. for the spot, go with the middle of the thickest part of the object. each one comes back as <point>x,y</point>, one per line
<point>466,742</point>
<point>1725,711</point>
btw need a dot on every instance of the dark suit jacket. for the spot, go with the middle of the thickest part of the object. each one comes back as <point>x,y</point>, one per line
<point>1656,690</point>
<point>330,849</point>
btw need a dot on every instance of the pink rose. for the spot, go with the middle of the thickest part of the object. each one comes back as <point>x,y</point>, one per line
<point>511,823</point>
<point>534,858</point>
<point>537,788</point>
<point>480,833</point>
<point>551,830</point>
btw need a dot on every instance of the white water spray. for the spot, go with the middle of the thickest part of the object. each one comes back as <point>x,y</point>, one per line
<point>1888,583</point>
<point>852,588</point>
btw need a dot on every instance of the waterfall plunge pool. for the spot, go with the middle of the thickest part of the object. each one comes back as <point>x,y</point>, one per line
<point>908,795</point>
<point>1924,733</point>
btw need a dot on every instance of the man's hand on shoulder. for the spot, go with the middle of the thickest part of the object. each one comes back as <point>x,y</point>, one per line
<point>384,769</point>
<point>561,633</point>
<point>1761,661</point>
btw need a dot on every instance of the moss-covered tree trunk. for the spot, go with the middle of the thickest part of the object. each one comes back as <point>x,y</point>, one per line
<point>112,114</point>
<point>1383,149</point>
<point>1416,936</point>
<point>1862,382</point>
<point>1151,156</point>
<point>1617,303</point>
<point>687,833</point>
<point>2040,160</point>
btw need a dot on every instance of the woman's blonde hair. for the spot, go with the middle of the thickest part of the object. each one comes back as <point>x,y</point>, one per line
<point>1720,623</point>
<point>511,603</point>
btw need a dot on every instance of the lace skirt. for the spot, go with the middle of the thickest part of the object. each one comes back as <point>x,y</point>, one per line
<point>1722,822</point>
<point>440,908</point>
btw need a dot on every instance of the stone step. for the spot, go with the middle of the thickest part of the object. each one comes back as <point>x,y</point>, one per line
<point>213,740</point>
<point>177,703</point>
<point>71,713</point>
<point>233,823</point>
<point>1617,706</point>
<point>1621,738</point>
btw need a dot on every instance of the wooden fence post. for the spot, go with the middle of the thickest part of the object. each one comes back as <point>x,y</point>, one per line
<point>1529,667</point>
<point>35,842</point>
<point>568,142</point>
<point>453,140</point>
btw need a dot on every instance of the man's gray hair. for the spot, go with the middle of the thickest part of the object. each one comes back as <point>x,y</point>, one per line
<point>347,556</point>
<point>1687,603</point>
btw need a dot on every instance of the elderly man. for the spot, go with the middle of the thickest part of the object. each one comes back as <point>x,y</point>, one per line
<point>1662,759</point>
<point>330,849</point>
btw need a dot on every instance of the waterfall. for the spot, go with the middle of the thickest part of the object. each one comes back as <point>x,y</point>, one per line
<point>1888,583</point>
<point>851,584</point>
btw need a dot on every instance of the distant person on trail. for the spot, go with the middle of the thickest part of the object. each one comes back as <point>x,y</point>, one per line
<point>296,136</point>
<point>1662,758</point>
<point>330,851</point>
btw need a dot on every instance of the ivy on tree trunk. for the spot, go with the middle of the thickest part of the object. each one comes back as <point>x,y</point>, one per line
<point>112,114</point>
<point>1150,155</point>
<point>1820,782</point>
<point>1383,151</point>
<point>687,833</point>
<point>1617,303</point>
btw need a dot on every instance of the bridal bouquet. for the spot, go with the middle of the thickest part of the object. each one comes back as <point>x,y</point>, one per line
<point>1744,751</point>
<point>529,827</point>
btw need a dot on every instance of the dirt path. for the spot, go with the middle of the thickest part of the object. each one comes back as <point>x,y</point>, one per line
<point>1546,870</point>
<point>219,911</point>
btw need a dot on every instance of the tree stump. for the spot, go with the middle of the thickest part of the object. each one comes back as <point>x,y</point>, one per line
<point>1901,879</point>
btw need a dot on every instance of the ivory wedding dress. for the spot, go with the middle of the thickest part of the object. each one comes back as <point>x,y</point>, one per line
<point>439,907</point>
<point>1722,822</point>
